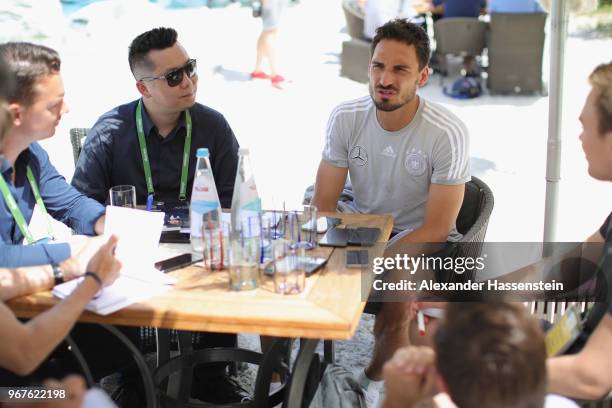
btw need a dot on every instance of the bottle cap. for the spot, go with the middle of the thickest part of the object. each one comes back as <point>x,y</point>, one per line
<point>243,150</point>
<point>202,152</point>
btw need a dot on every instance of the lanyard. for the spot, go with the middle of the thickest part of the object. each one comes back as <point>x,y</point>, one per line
<point>16,212</point>
<point>145,155</point>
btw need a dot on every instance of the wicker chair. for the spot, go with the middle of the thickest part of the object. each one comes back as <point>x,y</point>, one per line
<point>472,222</point>
<point>354,19</point>
<point>77,136</point>
<point>473,217</point>
<point>464,36</point>
<point>516,47</point>
<point>355,56</point>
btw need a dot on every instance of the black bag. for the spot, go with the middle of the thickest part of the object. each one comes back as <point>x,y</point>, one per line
<point>338,389</point>
<point>257,8</point>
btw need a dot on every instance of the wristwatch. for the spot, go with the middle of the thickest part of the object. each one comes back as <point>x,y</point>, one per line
<point>58,274</point>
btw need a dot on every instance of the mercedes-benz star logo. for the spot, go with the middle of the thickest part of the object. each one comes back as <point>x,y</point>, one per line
<point>358,155</point>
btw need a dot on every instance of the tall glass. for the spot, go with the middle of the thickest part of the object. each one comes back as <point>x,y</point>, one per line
<point>245,255</point>
<point>302,228</point>
<point>123,196</point>
<point>289,273</point>
<point>215,244</point>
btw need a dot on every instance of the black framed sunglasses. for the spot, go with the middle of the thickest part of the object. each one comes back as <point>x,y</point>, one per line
<point>175,77</point>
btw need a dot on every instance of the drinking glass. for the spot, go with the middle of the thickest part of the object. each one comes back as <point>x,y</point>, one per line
<point>302,227</point>
<point>245,255</point>
<point>123,196</point>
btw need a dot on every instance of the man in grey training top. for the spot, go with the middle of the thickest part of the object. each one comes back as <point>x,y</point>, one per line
<point>406,156</point>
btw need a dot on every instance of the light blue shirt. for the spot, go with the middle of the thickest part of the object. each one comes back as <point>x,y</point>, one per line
<point>63,202</point>
<point>515,6</point>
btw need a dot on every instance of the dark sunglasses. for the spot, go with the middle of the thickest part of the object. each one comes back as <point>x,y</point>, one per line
<point>175,77</point>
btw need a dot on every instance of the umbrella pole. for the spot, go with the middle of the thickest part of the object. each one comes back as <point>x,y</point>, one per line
<point>559,17</point>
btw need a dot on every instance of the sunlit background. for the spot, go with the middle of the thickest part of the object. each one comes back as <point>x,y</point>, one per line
<point>284,128</point>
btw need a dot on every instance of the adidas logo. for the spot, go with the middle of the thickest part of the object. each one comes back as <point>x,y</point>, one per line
<point>388,151</point>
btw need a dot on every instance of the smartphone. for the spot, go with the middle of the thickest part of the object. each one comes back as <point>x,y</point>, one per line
<point>335,237</point>
<point>363,236</point>
<point>356,259</point>
<point>174,237</point>
<point>323,224</point>
<point>177,262</point>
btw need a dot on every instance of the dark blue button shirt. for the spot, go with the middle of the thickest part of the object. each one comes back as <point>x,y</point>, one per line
<point>62,201</point>
<point>111,155</point>
<point>461,8</point>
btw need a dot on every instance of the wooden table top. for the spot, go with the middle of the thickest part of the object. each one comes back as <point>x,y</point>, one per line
<point>329,307</point>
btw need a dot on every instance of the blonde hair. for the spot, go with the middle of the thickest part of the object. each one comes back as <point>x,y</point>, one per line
<point>601,81</point>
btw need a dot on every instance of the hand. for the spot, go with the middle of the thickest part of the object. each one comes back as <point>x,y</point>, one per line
<point>82,249</point>
<point>410,376</point>
<point>75,392</point>
<point>99,225</point>
<point>104,263</point>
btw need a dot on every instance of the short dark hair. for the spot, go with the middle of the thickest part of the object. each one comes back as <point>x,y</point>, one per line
<point>6,81</point>
<point>156,39</point>
<point>491,354</point>
<point>6,87</point>
<point>601,81</point>
<point>408,33</point>
<point>28,63</point>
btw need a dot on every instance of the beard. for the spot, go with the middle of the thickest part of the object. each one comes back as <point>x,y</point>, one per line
<point>386,105</point>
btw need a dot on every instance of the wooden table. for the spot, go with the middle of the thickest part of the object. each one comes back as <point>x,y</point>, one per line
<point>329,308</point>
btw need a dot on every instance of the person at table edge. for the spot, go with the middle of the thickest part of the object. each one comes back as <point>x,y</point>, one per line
<point>173,126</point>
<point>37,105</point>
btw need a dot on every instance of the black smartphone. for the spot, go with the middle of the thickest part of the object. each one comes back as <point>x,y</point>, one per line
<point>174,237</point>
<point>177,262</point>
<point>363,236</point>
<point>335,237</point>
<point>356,259</point>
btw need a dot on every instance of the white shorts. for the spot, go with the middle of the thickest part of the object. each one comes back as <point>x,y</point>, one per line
<point>270,14</point>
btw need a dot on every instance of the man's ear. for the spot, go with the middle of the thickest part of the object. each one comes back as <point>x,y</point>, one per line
<point>424,76</point>
<point>17,113</point>
<point>142,88</point>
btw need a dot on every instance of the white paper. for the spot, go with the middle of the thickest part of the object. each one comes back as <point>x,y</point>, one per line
<point>149,276</point>
<point>122,293</point>
<point>139,232</point>
<point>39,227</point>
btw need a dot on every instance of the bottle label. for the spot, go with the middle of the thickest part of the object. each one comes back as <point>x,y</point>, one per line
<point>203,206</point>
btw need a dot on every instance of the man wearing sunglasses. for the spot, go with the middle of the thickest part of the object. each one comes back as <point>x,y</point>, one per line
<point>165,124</point>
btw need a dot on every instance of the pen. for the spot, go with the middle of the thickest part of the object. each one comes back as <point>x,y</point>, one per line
<point>421,323</point>
<point>149,202</point>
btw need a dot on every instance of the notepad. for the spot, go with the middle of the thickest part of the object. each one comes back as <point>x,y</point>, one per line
<point>138,233</point>
<point>125,291</point>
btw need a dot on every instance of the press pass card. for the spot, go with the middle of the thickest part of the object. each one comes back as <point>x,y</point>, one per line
<point>563,334</point>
